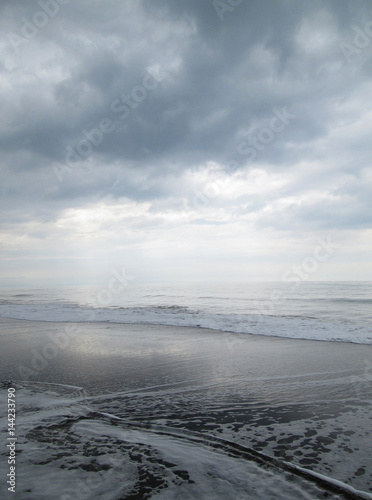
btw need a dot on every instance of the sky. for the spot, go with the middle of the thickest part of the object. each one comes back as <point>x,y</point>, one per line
<point>185,141</point>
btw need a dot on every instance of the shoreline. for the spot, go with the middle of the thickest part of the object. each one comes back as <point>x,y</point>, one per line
<point>182,327</point>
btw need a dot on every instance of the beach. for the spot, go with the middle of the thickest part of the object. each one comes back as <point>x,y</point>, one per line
<point>301,402</point>
<point>185,250</point>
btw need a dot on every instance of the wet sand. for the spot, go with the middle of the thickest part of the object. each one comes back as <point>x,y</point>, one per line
<point>305,402</point>
<point>103,357</point>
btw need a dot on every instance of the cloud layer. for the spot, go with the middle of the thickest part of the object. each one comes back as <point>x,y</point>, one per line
<point>184,135</point>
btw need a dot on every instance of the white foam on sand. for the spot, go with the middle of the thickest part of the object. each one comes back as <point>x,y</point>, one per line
<point>64,448</point>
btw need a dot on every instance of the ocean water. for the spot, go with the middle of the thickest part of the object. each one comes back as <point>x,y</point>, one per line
<point>145,413</point>
<point>330,311</point>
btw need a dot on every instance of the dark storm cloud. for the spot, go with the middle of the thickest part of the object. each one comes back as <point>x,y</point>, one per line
<point>222,81</point>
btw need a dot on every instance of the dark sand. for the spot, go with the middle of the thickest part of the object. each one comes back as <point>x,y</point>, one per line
<point>105,357</point>
<point>305,402</point>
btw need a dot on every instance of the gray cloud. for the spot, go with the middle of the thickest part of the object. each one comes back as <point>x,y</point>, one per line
<point>221,83</point>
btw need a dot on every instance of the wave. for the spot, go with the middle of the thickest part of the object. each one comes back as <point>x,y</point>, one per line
<point>346,300</point>
<point>331,299</point>
<point>288,326</point>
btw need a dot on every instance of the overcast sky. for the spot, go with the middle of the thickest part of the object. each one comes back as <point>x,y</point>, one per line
<point>185,140</point>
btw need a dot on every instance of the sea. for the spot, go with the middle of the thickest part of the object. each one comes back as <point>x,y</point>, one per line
<point>151,413</point>
<point>328,311</point>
